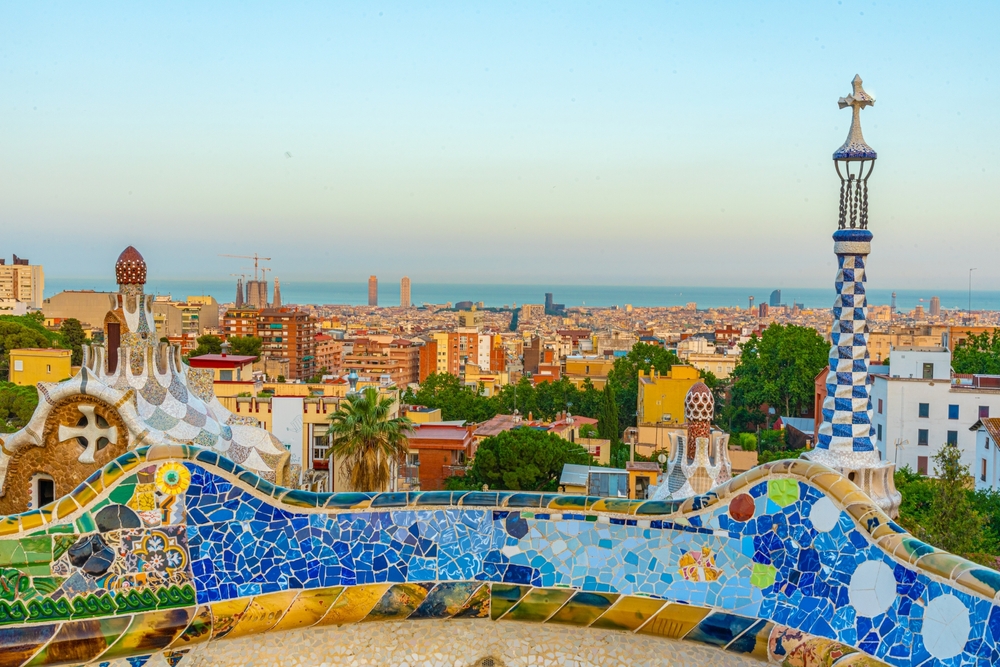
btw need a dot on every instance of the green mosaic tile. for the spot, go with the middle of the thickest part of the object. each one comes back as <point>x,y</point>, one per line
<point>784,492</point>
<point>85,524</point>
<point>763,576</point>
<point>122,493</point>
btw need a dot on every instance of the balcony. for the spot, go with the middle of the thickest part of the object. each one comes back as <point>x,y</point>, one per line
<point>454,471</point>
<point>409,478</point>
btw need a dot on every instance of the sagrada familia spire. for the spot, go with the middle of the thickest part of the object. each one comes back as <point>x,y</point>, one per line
<point>846,434</point>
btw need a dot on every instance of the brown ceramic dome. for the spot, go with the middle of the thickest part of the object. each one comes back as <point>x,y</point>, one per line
<point>130,269</point>
<point>699,404</point>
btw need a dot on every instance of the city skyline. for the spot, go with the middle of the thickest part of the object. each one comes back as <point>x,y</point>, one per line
<point>617,138</point>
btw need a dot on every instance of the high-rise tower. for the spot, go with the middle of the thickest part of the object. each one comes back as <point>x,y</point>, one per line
<point>846,434</point>
<point>372,291</point>
<point>404,292</point>
<point>276,302</point>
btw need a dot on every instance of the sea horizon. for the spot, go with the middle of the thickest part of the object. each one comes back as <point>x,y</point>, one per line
<point>509,295</point>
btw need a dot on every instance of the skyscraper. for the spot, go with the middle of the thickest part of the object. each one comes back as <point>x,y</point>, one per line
<point>404,292</point>
<point>276,303</point>
<point>372,291</point>
<point>935,307</point>
<point>775,298</point>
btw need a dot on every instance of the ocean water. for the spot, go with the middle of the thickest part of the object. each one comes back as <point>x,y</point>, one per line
<point>293,292</point>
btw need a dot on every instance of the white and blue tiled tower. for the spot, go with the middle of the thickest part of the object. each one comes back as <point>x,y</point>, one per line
<point>846,434</point>
<point>846,431</point>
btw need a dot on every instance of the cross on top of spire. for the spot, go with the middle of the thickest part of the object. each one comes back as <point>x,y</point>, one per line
<point>855,147</point>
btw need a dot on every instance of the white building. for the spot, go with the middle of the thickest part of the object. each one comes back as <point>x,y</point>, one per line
<point>986,470</point>
<point>918,407</point>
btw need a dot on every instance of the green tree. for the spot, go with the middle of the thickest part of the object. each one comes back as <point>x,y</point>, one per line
<point>17,404</point>
<point>980,354</point>
<point>952,522</point>
<point>207,344</point>
<point>446,392</point>
<point>244,345</point>
<point>918,493</point>
<point>366,440</point>
<point>74,338</point>
<point>779,369</point>
<point>607,422</point>
<point>624,377</point>
<point>523,459</point>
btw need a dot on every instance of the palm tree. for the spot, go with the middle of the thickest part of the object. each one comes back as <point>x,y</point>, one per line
<point>365,440</point>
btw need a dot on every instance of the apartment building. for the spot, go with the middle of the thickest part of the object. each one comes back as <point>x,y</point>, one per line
<point>22,282</point>
<point>288,333</point>
<point>919,406</point>
<point>239,323</point>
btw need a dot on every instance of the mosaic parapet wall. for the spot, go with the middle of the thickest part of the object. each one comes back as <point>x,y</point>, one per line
<point>172,547</point>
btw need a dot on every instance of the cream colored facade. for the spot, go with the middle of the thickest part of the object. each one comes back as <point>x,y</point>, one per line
<point>720,365</point>
<point>88,306</point>
<point>22,283</point>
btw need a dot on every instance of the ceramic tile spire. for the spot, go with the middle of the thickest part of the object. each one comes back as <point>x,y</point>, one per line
<point>846,436</point>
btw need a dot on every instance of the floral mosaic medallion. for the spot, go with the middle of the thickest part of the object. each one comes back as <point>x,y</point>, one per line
<point>172,479</point>
<point>699,566</point>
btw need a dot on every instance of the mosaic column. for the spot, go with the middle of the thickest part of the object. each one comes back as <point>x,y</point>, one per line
<point>845,435</point>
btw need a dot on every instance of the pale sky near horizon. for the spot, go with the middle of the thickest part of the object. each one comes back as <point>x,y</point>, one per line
<point>597,143</point>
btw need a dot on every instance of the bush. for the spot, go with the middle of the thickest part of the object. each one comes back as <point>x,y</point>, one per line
<point>771,441</point>
<point>745,441</point>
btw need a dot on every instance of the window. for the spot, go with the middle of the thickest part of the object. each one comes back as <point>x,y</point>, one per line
<point>924,410</point>
<point>880,406</point>
<point>982,473</point>
<point>952,412</point>
<point>922,465</point>
<point>226,376</point>
<point>18,365</point>
<point>48,368</point>
<point>879,427</point>
<point>928,371</point>
<point>45,491</point>
<point>984,412</point>
<point>922,438</point>
<point>413,459</point>
<point>952,437</point>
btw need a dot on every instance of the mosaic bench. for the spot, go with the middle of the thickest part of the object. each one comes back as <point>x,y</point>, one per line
<point>174,553</point>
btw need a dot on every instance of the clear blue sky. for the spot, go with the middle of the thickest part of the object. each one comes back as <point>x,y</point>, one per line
<point>598,143</point>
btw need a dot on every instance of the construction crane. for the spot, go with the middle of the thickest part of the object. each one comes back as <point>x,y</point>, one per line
<point>255,257</point>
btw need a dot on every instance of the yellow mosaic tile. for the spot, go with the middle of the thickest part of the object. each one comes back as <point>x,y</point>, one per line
<point>198,631</point>
<point>628,613</point>
<point>675,620</point>
<point>152,631</point>
<point>584,608</point>
<point>225,616</point>
<point>539,604</point>
<point>308,608</point>
<point>354,604</point>
<point>262,613</point>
